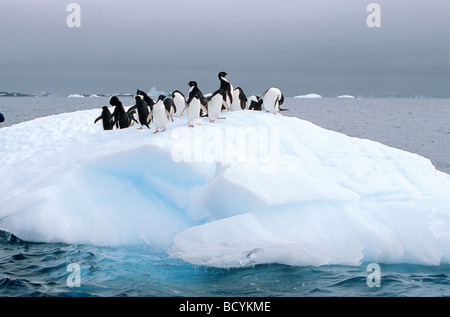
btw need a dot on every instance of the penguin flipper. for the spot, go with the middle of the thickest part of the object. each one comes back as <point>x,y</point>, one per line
<point>203,108</point>
<point>169,115</point>
<point>96,120</point>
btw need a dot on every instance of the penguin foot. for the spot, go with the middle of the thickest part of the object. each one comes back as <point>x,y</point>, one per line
<point>191,125</point>
<point>156,131</point>
<point>211,120</point>
<point>139,128</point>
<point>221,118</point>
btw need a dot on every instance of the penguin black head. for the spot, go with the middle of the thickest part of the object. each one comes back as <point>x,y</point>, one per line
<point>105,108</point>
<point>113,101</point>
<point>139,92</point>
<point>192,83</point>
<point>222,74</point>
<point>161,97</point>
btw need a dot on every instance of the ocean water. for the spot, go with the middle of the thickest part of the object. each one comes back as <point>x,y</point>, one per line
<point>64,270</point>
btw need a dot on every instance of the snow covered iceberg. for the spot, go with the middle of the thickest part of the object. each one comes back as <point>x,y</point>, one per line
<point>254,188</point>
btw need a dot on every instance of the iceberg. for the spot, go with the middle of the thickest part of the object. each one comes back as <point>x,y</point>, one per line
<point>75,96</point>
<point>309,96</point>
<point>251,189</point>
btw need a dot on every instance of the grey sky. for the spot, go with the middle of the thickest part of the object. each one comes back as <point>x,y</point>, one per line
<point>300,46</point>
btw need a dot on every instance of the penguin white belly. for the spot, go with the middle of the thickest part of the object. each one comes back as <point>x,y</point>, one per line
<point>271,99</point>
<point>180,103</point>
<point>159,116</point>
<point>236,104</point>
<point>215,106</point>
<point>193,113</point>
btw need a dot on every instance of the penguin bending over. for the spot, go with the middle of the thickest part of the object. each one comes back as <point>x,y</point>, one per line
<point>150,102</point>
<point>239,100</point>
<point>179,101</point>
<point>254,103</point>
<point>215,105</point>
<point>193,109</point>
<point>272,99</point>
<point>160,115</point>
<point>143,112</point>
<point>106,117</point>
<point>227,87</point>
<point>168,103</point>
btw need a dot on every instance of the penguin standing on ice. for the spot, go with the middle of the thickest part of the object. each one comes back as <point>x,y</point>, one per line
<point>272,99</point>
<point>239,99</point>
<point>143,111</point>
<point>150,102</point>
<point>254,103</point>
<point>193,90</point>
<point>193,109</point>
<point>227,87</point>
<point>169,104</point>
<point>160,115</point>
<point>179,101</point>
<point>106,117</point>
<point>121,119</point>
<point>215,105</point>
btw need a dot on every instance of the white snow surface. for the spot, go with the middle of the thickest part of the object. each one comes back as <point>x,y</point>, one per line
<point>254,188</point>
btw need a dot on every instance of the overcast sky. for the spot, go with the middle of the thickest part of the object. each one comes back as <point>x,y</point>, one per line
<point>300,46</point>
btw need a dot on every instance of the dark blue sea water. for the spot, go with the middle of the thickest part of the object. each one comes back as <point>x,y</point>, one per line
<point>62,270</point>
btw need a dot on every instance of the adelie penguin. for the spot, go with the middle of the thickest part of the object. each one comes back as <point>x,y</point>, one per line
<point>160,115</point>
<point>272,99</point>
<point>227,87</point>
<point>179,101</point>
<point>239,99</point>
<point>107,119</point>
<point>150,102</point>
<point>169,104</point>
<point>143,111</point>
<point>195,90</point>
<point>121,118</point>
<point>254,103</point>
<point>215,105</point>
<point>193,109</point>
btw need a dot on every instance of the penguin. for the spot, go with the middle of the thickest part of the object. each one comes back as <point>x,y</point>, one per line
<point>168,103</point>
<point>142,110</point>
<point>106,116</point>
<point>121,118</point>
<point>215,105</point>
<point>179,101</point>
<point>254,103</point>
<point>150,102</point>
<point>239,99</point>
<point>193,109</point>
<point>2,117</point>
<point>272,99</point>
<point>195,90</point>
<point>227,87</point>
<point>160,114</point>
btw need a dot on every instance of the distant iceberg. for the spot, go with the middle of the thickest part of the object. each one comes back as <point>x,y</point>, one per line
<point>154,93</point>
<point>347,96</point>
<point>75,96</point>
<point>252,189</point>
<point>309,96</point>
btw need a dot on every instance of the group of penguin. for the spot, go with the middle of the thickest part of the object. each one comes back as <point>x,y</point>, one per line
<point>196,105</point>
